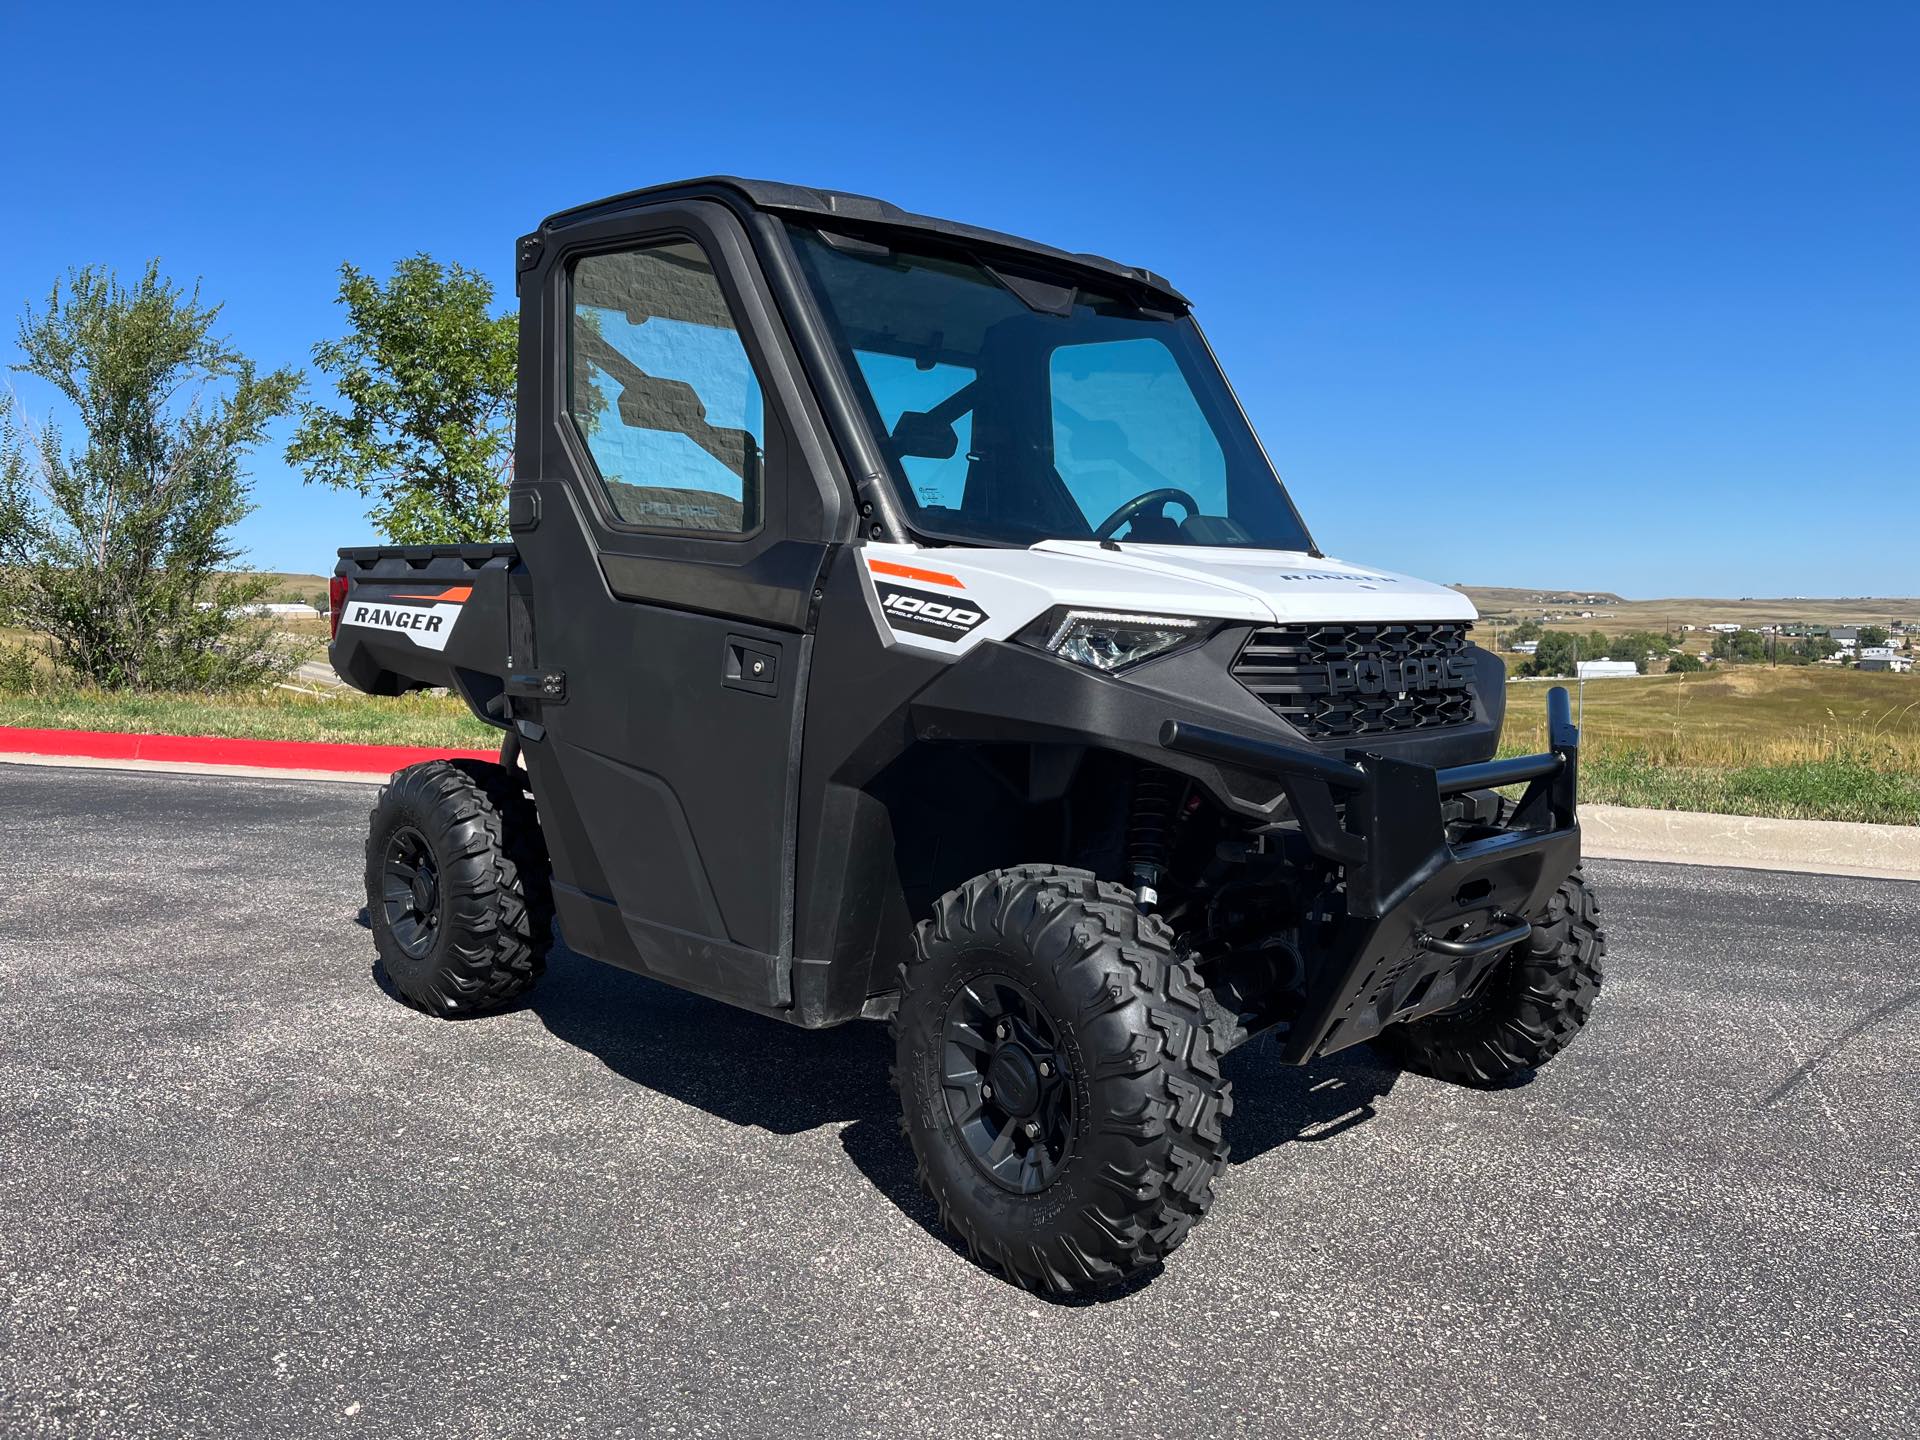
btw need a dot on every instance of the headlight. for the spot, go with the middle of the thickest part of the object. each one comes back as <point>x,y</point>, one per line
<point>1107,640</point>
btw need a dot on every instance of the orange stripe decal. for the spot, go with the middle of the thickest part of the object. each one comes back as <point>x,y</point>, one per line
<point>454,593</point>
<point>911,572</point>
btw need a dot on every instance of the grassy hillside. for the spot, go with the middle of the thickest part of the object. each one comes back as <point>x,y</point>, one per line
<point>291,587</point>
<point>1810,742</point>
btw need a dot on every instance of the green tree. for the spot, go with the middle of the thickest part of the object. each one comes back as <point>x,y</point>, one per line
<point>119,553</point>
<point>1638,646</point>
<point>1740,645</point>
<point>1555,655</point>
<point>426,377</point>
<point>1685,664</point>
<point>1526,630</point>
<point>1872,636</point>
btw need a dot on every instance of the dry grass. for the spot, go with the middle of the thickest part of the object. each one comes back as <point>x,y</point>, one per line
<point>1808,742</point>
<point>1749,715</point>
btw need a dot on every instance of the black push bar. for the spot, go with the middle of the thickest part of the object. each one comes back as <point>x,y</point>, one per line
<point>1262,757</point>
<point>1516,930</point>
<point>1269,757</point>
<point>1388,802</point>
<point>1491,774</point>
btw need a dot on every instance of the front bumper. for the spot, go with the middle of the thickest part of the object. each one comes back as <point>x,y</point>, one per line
<point>1433,900</point>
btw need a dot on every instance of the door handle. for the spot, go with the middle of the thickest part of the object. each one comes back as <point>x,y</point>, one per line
<point>750,665</point>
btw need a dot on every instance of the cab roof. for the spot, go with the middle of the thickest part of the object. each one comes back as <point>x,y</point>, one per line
<point>864,213</point>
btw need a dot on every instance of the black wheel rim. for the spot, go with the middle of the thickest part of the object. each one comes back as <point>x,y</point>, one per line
<point>1008,1086</point>
<point>410,892</point>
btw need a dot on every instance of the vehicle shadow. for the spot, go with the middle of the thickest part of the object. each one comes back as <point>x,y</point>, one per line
<point>740,1067</point>
<point>1276,1104</point>
<point>752,1071</point>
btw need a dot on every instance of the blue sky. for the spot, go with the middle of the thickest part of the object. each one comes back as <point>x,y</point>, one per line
<point>1621,296</point>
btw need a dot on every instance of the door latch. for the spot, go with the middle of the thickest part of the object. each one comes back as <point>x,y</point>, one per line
<point>549,686</point>
<point>751,665</point>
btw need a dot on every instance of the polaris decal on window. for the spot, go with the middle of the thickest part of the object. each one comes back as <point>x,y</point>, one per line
<point>922,612</point>
<point>426,620</point>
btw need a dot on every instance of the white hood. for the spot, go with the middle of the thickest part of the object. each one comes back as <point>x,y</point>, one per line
<point>1290,584</point>
<point>997,592</point>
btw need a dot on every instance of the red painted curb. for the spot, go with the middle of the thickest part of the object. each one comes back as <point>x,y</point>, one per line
<point>220,750</point>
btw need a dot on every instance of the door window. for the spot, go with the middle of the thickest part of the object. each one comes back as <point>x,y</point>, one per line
<point>662,392</point>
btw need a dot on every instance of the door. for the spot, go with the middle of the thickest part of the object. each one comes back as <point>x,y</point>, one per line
<point>673,534</point>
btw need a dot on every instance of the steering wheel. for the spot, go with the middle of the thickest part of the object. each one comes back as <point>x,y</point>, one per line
<point>1140,504</point>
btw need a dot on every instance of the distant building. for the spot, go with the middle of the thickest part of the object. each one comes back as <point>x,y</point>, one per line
<point>1606,669</point>
<point>1882,657</point>
<point>1845,634</point>
<point>1725,629</point>
<point>264,607</point>
<point>1526,647</point>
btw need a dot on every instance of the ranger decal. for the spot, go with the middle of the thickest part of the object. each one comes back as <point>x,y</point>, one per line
<point>428,625</point>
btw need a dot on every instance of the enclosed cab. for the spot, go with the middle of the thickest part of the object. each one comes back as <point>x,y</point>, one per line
<point>902,619</point>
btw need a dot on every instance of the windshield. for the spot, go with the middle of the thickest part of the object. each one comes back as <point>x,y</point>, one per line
<point>1015,407</point>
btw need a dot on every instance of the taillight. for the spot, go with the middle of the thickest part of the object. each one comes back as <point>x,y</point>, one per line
<point>336,602</point>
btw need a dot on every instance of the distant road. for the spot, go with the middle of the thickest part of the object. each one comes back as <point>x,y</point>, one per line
<point>243,1192</point>
<point>317,672</point>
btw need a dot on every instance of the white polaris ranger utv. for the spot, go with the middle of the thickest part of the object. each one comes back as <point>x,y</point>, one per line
<point>903,621</point>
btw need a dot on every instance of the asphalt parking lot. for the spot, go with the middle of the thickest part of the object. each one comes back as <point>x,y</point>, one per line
<point>243,1192</point>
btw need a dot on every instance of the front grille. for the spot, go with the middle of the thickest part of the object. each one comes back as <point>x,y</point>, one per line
<point>1335,682</point>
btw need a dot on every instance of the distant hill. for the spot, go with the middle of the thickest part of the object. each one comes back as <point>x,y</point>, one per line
<point>1513,597</point>
<point>1603,610</point>
<point>285,586</point>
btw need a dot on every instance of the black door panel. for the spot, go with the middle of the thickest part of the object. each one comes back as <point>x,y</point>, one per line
<point>676,748</point>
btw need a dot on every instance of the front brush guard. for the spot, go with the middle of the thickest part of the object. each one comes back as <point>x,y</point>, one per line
<point>1431,902</point>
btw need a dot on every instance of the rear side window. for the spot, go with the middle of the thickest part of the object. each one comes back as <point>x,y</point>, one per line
<point>662,392</point>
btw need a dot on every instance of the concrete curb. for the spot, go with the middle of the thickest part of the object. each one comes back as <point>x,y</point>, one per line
<point>1816,847</point>
<point>218,754</point>
<point>186,767</point>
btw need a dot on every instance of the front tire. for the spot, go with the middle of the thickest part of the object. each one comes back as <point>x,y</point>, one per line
<point>1527,1010</point>
<point>459,894</point>
<point>1097,1151</point>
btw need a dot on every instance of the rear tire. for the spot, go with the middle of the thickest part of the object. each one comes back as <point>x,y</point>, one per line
<point>1527,1010</point>
<point>1108,1127</point>
<point>459,894</point>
